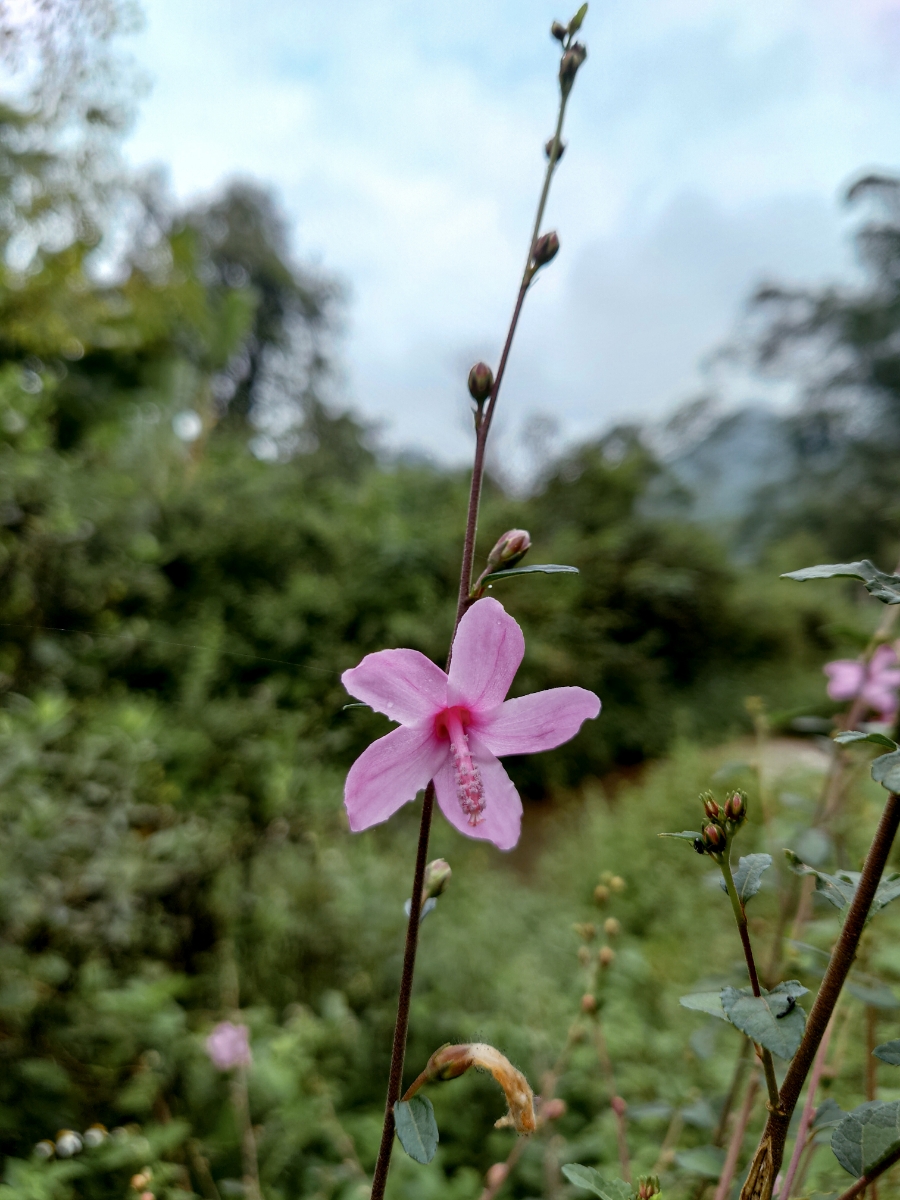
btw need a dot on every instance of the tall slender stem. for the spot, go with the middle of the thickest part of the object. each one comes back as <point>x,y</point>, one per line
<point>808,1111</point>
<point>482,426</point>
<point>737,1139</point>
<point>769,1153</point>
<point>741,918</point>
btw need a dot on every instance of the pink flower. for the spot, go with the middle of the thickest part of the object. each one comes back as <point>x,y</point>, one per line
<point>453,726</point>
<point>229,1046</point>
<point>876,684</point>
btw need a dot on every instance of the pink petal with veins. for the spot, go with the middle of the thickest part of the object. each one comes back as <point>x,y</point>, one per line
<point>487,651</point>
<point>501,821</point>
<point>537,722</point>
<point>403,684</point>
<point>390,772</point>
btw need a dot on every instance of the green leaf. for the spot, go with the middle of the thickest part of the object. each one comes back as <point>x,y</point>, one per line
<point>593,1181</point>
<point>875,995</point>
<point>856,735</point>
<point>886,771</point>
<point>702,1160</point>
<point>841,887</point>
<point>417,1128</point>
<point>828,1114</point>
<point>867,1135</point>
<point>773,1019</point>
<point>537,568</point>
<point>689,835</point>
<point>707,1002</point>
<point>748,876</point>
<point>889,1052</point>
<point>883,587</point>
<point>575,23</point>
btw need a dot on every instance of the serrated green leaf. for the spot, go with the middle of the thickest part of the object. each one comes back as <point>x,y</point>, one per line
<point>706,1002</point>
<point>575,23</point>
<point>534,569</point>
<point>702,1160</point>
<point>689,835</point>
<point>886,771</point>
<point>748,876</point>
<point>593,1181</point>
<point>889,1052</point>
<point>849,736</point>
<point>867,1135</point>
<point>771,1019</point>
<point>417,1128</point>
<point>883,587</point>
<point>840,888</point>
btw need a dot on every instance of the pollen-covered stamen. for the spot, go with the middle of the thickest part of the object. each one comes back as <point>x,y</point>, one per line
<point>469,787</point>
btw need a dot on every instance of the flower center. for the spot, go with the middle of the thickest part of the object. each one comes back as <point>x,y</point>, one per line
<point>469,787</point>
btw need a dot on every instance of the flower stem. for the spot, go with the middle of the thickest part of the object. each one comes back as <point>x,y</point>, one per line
<point>741,918</point>
<point>809,1110</point>
<point>767,1160</point>
<point>737,1139</point>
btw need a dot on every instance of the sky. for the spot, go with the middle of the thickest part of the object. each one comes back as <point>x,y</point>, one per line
<point>709,146</point>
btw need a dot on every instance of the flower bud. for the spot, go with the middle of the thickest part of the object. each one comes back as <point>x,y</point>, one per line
<point>714,839</point>
<point>606,957</point>
<point>571,61</point>
<point>710,807</point>
<point>548,148</point>
<point>648,1186</point>
<point>45,1149</point>
<point>510,549</point>
<point>496,1175</point>
<point>618,1105</point>
<point>611,927</point>
<point>588,1003</point>
<point>545,249</point>
<point>736,807</point>
<point>449,1062</point>
<point>584,955</point>
<point>553,1109</point>
<point>68,1142</point>
<point>617,883</point>
<point>558,31</point>
<point>437,876</point>
<point>588,931</point>
<point>601,893</point>
<point>481,380</point>
<point>95,1136</point>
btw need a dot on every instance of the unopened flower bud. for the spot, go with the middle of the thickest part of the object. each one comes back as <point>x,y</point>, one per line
<point>449,1062</point>
<point>45,1149</point>
<point>548,148</point>
<point>714,839</point>
<point>510,549</point>
<point>588,1003</point>
<point>437,876</point>
<point>601,893</point>
<point>617,883</point>
<point>68,1142</point>
<point>95,1136</point>
<point>553,1109</point>
<point>736,807</point>
<point>147,1196</point>
<point>611,927</point>
<point>546,248</point>
<point>559,31</point>
<point>618,1105</point>
<point>606,957</point>
<point>588,931</point>
<point>648,1186</point>
<point>710,806</point>
<point>584,955</point>
<point>481,380</point>
<point>571,61</point>
<point>496,1175</point>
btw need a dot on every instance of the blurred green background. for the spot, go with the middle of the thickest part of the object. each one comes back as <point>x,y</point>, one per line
<point>177,602</point>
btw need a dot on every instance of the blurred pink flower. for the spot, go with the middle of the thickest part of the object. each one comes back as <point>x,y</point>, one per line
<point>453,726</point>
<point>229,1046</point>
<point>876,684</point>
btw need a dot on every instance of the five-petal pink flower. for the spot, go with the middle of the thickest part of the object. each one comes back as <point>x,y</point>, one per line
<point>453,727</point>
<point>876,683</point>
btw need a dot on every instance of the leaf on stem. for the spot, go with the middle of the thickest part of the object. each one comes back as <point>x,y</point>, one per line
<point>889,1052</point>
<point>593,1181</point>
<point>774,1019</point>
<point>886,771</point>
<point>535,568</point>
<point>840,888</point>
<point>829,1114</point>
<point>575,23</point>
<point>702,1160</point>
<point>874,994</point>
<point>867,1135</point>
<point>748,876</point>
<point>849,736</point>
<point>883,587</point>
<point>689,835</point>
<point>706,1002</point>
<point>417,1128</point>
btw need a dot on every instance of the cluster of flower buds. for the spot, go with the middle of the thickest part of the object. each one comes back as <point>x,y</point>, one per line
<point>723,821</point>
<point>141,1183</point>
<point>69,1143</point>
<point>648,1186</point>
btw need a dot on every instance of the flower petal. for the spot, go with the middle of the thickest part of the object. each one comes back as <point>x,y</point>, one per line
<point>502,820</point>
<point>537,722</point>
<point>403,684</point>
<point>844,678</point>
<point>390,772</point>
<point>487,650</point>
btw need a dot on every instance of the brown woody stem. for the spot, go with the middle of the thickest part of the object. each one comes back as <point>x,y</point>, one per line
<point>770,1152</point>
<point>856,1189</point>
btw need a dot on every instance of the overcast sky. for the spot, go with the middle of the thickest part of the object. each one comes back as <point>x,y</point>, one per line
<point>709,144</point>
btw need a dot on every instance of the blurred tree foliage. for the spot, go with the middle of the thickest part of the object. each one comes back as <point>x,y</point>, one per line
<point>194,543</point>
